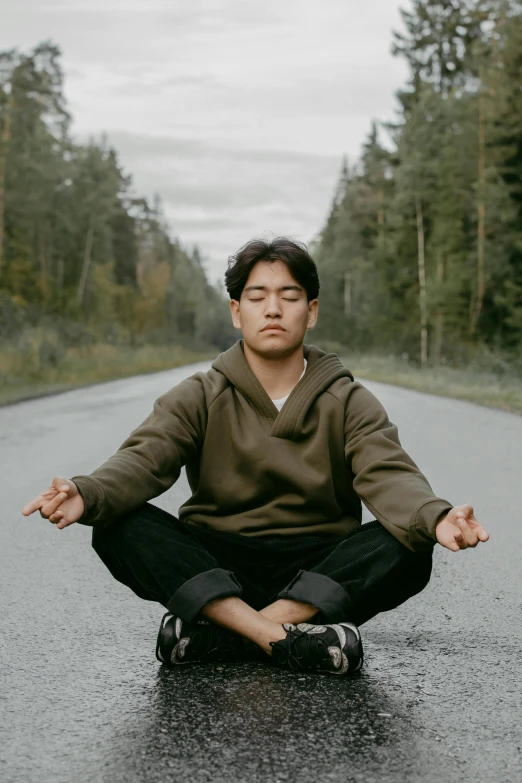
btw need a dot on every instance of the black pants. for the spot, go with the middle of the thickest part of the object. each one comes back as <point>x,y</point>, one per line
<point>185,566</point>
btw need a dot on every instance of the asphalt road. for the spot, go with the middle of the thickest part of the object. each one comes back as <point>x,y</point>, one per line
<point>83,697</point>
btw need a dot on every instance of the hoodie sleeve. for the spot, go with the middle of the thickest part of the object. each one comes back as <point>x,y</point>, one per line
<point>149,461</point>
<point>385,476</point>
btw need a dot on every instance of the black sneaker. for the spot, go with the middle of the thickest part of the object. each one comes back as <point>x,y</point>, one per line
<point>332,649</point>
<point>201,642</point>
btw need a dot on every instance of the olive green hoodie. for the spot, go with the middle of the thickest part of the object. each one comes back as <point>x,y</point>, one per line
<point>256,471</point>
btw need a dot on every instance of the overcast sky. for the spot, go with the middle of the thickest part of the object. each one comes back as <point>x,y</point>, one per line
<point>237,112</point>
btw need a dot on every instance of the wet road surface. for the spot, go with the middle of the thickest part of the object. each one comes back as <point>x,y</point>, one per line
<point>83,697</point>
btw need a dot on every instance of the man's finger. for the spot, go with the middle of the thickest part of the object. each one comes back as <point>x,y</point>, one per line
<point>453,545</point>
<point>469,535</point>
<point>64,523</point>
<point>32,506</point>
<point>461,541</point>
<point>50,507</point>
<point>465,509</point>
<point>481,531</point>
<point>40,499</point>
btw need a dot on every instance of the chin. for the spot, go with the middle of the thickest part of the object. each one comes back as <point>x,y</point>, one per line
<point>275,346</point>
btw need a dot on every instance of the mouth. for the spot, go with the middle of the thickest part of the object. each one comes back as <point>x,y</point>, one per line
<point>273,328</point>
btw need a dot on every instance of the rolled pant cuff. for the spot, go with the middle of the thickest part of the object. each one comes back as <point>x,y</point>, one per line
<point>330,598</point>
<point>189,599</point>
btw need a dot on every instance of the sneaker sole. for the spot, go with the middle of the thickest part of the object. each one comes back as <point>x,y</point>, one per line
<point>160,641</point>
<point>354,653</point>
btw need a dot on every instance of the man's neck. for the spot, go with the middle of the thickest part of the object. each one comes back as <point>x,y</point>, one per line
<point>277,376</point>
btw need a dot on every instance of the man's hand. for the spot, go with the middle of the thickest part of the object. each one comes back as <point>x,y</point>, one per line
<point>459,529</point>
<point>61,504</point>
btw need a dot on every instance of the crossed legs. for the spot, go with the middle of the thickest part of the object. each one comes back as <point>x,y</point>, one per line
<point>352,579</point>
<point>260,627</point>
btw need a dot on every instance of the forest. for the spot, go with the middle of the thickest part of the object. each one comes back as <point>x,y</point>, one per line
<point>420,257</point>
<point>92,284</point>
<point>421,254</point>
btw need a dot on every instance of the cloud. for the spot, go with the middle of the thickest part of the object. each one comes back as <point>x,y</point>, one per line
<point>236,113</point>
<point>143,85</point>
<point>218,196</point>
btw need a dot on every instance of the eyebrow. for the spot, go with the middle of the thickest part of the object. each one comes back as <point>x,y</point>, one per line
<point>264,288</point>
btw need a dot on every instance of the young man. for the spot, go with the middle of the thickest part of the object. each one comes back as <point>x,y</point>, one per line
<point>268,557</point>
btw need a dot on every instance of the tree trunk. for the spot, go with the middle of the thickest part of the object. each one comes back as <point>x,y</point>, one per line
<point>86,263</point>
<point>43,263</point>
<point>380,217</point>
<point>439,317</point>
<point>422,283</point>
<point>347,293</point>
<point>6,137</point>
<point>481,217</point>
<point>59,274</point>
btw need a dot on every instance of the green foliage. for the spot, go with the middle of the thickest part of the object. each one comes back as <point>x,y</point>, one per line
<point>82,259</point>
<point>439,215</point>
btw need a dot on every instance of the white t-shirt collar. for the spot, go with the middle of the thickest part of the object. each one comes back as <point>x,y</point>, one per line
<point>281,401</point>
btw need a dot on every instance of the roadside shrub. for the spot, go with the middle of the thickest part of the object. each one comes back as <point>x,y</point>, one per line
<point>12,316</point>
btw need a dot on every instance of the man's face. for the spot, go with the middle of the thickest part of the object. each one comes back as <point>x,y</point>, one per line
<point>272,298</point>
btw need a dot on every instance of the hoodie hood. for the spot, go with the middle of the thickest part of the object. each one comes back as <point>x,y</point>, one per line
<point>321,371</point>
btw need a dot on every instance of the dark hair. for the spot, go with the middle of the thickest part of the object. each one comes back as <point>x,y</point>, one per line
<point>294,254</point>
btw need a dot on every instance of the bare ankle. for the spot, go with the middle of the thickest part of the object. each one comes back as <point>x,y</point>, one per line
<point>289,611</point>
<point>273,633</point>
<point>237,616</point>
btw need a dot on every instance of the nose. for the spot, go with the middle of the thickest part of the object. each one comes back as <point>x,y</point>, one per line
<point>273,306</point>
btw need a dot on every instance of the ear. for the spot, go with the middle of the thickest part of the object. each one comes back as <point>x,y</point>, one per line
<point>313,308</point>
<point>234,310</point>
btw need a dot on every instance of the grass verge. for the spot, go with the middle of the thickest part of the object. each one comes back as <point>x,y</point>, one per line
<point>23,379</point>
<point>84,367</point>
<point>503,392</point>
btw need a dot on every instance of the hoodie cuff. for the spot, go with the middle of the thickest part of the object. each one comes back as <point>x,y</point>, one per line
<point>424,521</point>
<point>92,498</point>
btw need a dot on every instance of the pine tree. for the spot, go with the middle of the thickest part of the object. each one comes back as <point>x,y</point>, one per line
<point>81,257</point>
